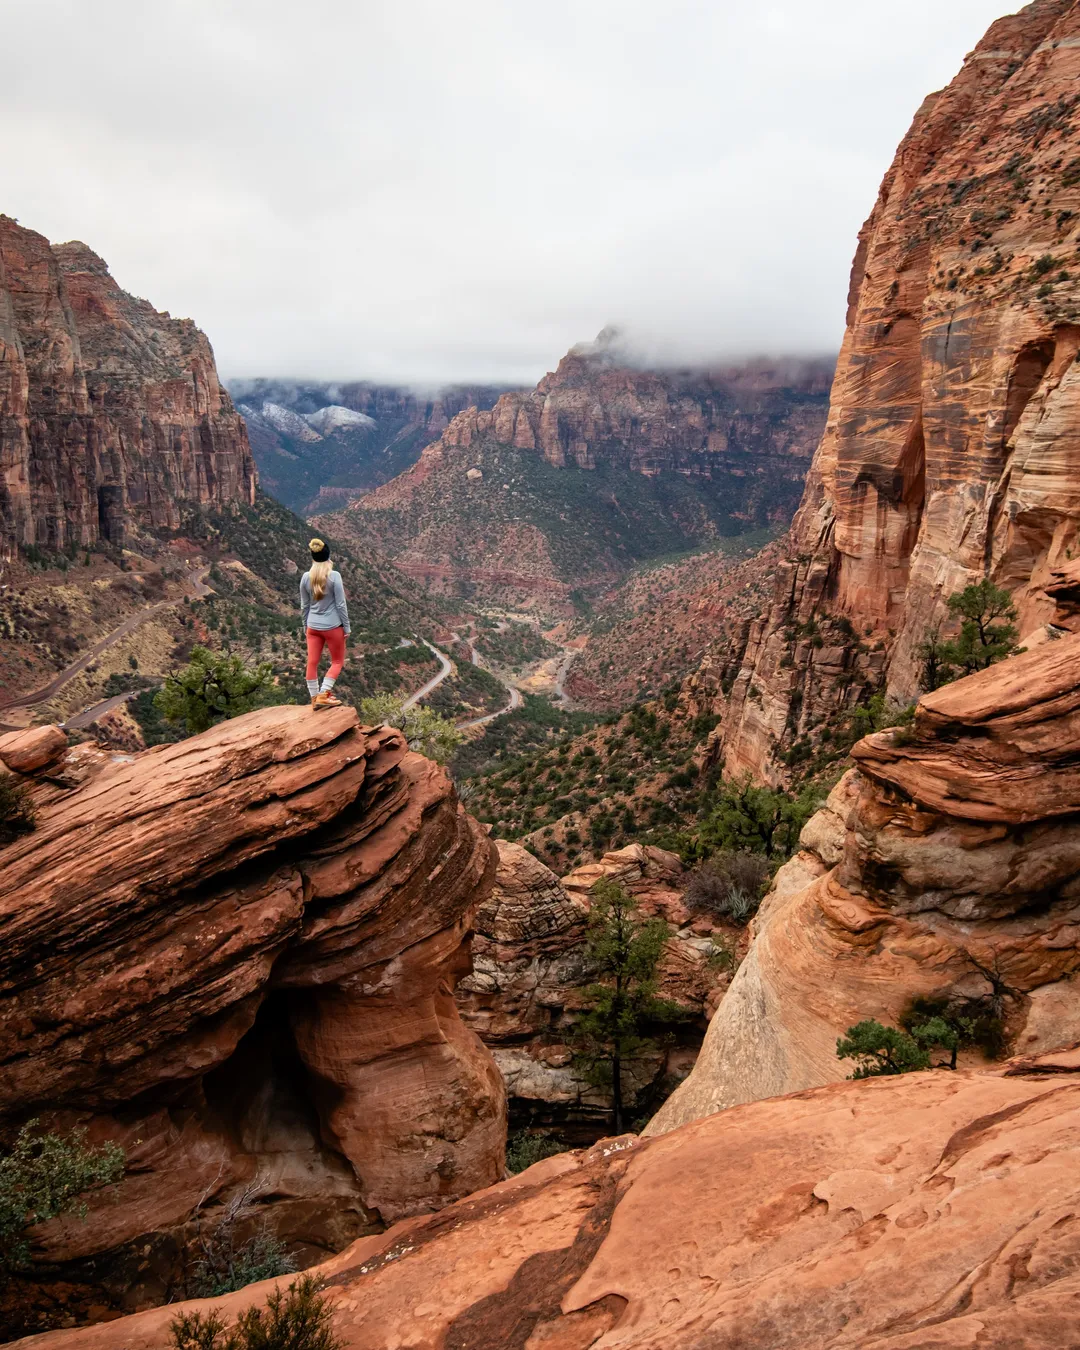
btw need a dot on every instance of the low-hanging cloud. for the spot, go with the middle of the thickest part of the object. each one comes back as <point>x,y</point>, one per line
<point>417,191</point>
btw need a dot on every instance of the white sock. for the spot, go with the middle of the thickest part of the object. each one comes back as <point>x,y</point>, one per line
<point>313,687</point>
<point>328,684</point>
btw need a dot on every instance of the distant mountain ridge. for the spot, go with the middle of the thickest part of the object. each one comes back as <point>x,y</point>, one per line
<point>318,444</point>
<point>557,491</point>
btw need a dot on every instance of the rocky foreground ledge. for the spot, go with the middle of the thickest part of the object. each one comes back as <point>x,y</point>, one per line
<point>235,956</point>
<point>931,1210</point>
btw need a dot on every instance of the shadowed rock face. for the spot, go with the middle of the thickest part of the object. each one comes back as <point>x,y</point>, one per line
<point>531,967</point>
<point>946,866</point>
<point>236,956</point>
<point>932,1210</point>
<point>952,449</point>
<point>111,414</point>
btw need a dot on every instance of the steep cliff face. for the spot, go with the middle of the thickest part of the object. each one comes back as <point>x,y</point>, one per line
<point>929,1212</point>
<point>111,414</point>
<point>236,956</point>
<point>596,409</point>
<point>945,867</point>
<point>567,486</point>
<point>952,449</point>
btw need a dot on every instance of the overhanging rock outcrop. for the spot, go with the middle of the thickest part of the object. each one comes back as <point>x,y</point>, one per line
<point>236,957</point>
<point>945,867</point>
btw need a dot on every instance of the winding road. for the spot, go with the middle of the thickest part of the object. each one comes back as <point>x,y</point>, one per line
<point>199,589</point>
<point>435,680</point>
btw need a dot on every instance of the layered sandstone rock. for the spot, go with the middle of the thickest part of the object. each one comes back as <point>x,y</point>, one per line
<point>933,1210</point>
<point>236,957</point>
<point>597,408</point>
<point>952,449</point>
<point>111,414</point>
<point>945,867</point>
<point>600,465</point>
<point>531,968</point>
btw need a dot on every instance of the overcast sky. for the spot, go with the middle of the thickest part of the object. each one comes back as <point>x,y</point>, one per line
<point>425,190</point>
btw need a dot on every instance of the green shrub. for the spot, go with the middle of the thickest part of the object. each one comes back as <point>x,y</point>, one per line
<point>43,1176</point>
<point>731,884</point>
<point>296,1320</point>
<point>880,1050</point>
<point>524,1148</point>
<point>16,808</point>
<point>213,687</point>
<point>427,732</point>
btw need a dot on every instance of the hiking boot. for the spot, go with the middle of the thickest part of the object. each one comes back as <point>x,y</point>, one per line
<point>325,700</point>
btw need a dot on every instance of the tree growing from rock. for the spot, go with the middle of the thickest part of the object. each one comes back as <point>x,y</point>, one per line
<point>212,687</point>
<point>296,1319</point>
<point>622,1006</point>
<point>427,732</point>
<point>43,1176</point>
<point>987,634</point>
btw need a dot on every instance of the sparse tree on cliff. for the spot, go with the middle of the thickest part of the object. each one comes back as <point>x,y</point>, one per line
<point>212,687</point>
<point>44,1175</point>
<point>427,732</point>
<point>987,631</point>
<point>622,1005</point>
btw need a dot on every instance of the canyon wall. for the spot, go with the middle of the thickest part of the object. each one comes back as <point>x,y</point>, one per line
<point>945,868</point>
<point>952,449</point>
<point>111,414</point>
<point>597,408</point>
<point>235,956</point>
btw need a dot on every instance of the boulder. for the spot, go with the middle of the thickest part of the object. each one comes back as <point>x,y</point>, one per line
<point>235,955</point>
<point>958,879</point>
<point>32,750</point>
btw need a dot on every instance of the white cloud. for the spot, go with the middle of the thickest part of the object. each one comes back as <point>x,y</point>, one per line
<point>416,190</point>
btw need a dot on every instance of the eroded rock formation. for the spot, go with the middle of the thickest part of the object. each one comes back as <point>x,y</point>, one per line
<point>946,866</point>
<point>952,449</point>
<point>933,1210</point>
<point>111,414</point>
<point>531,968</point>
<point>236,957</point>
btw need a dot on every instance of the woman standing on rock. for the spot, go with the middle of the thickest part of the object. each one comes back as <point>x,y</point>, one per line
<point>326,623</point>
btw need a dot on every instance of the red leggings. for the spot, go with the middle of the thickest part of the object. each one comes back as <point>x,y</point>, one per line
<point>317,638</point>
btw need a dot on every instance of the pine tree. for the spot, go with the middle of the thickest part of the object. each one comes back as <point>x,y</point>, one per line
<point>622,1004</point>
<point>212,687</point>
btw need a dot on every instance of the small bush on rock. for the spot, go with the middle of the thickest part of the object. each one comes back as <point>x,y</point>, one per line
<point>16,809</point>
<point>427,732</point>
<point>296,1320</point>
<point>42,1176</point>
<point>729,885</point>
<point>523,1149</point>
<point>212,687</point>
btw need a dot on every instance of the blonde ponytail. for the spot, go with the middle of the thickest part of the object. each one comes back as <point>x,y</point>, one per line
<point>318,576</point>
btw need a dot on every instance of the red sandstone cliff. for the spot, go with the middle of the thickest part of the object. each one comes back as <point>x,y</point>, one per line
<point>944,867</point>
<point>597,409</point>
<point>952,449</point>
<point>235,956</point>
<point>111,414</point>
